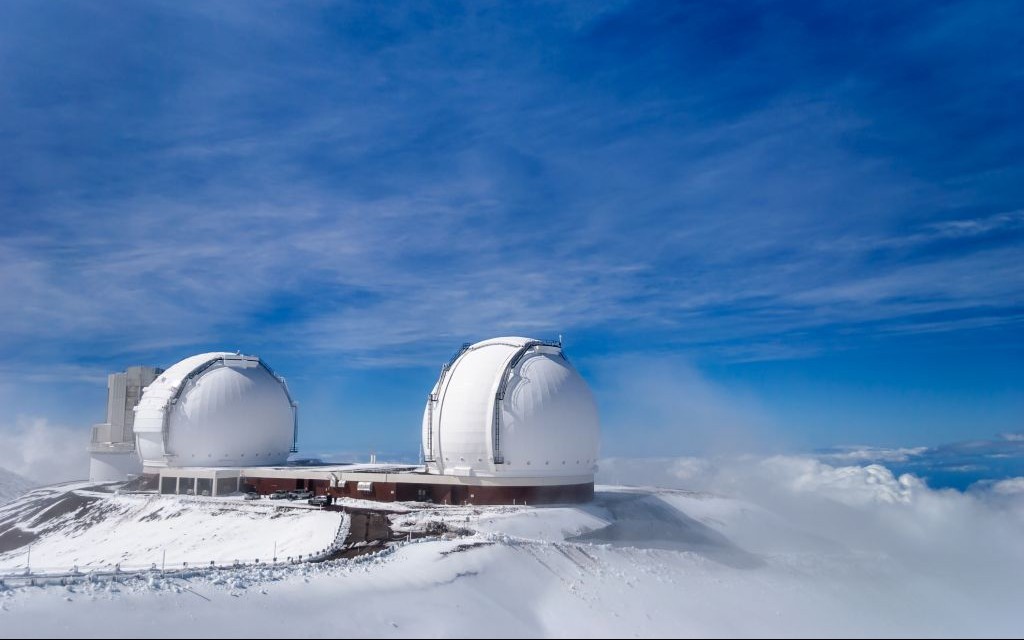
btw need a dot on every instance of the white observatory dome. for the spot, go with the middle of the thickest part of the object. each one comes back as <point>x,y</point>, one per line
<point>510,407</point>
<point>216,409</point>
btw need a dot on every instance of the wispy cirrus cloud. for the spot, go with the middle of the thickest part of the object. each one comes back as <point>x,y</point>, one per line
<point>740,183</point>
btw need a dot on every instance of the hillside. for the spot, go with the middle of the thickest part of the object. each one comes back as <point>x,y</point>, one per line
<point>12,485</point>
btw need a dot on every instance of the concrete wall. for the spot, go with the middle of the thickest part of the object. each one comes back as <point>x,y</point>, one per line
<point>117,387</point>
<point>113,466</point>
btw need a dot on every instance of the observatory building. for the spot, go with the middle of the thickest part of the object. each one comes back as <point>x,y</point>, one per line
<point>112,453</point>
<point>511,408</point>
<point>216,410</point>
<point>509,420</point>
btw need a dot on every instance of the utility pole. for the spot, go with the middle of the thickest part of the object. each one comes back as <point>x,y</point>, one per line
<point>275,551</point>
<point>28,562</point>
<point>163,561</point>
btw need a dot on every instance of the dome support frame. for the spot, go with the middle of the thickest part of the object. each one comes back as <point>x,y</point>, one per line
<point>499,395</point>
<point>428,453</point>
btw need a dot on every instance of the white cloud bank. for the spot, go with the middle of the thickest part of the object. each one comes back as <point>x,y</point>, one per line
<point>44,453</point>
<point>938,550</point>
<point>666,401</point>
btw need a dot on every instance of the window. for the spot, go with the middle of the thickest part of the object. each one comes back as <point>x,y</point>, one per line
<point>204,487</point>
<point>226,486</point>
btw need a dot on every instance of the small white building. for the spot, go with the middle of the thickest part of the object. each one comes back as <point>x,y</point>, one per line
<point>112,454</point>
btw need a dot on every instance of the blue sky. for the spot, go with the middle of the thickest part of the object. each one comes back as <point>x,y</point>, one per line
<point>756,225</point>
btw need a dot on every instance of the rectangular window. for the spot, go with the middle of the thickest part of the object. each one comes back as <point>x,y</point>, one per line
<point>226,486</point>
<point>204,487</point>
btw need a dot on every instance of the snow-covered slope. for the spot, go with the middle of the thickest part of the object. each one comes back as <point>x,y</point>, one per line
<point>79,524</point>
<point>12,485</point>
<point>795,549</point>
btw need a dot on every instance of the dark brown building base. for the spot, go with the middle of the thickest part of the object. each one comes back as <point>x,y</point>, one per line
<point>270,485</point>
<point>462,494</point>
<point>402,486</point>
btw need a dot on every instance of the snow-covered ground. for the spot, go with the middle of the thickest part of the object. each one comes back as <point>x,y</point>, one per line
<point>73,525</point>
<point>794,547</point>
